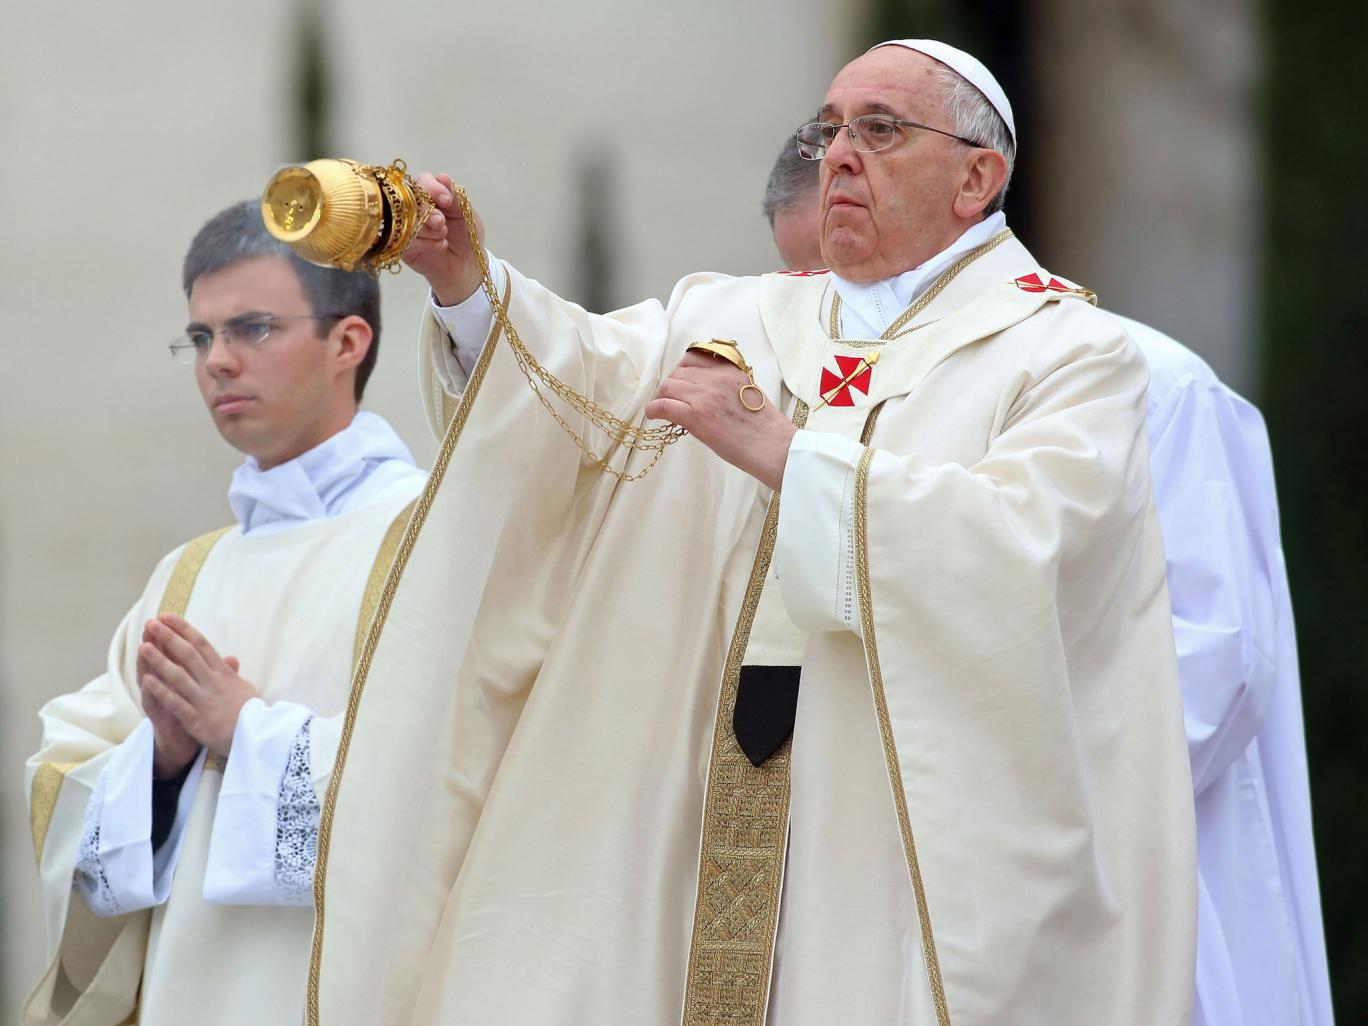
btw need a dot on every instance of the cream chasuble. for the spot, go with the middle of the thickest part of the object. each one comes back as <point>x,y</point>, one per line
<point>287,604</point>
<point>984,815</point>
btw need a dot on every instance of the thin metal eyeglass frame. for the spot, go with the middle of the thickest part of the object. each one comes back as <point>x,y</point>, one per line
<point>882,118</point>
<point>183,345</point>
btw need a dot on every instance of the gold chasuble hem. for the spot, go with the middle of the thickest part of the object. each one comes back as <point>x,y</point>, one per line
<point>745,837</point>
<point>933,972</point>
<point>413,526</point>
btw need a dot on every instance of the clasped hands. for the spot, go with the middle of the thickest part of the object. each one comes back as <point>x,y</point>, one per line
<point>191,694</point>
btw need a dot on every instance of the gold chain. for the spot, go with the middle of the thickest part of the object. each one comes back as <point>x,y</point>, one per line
<point>624,432</point>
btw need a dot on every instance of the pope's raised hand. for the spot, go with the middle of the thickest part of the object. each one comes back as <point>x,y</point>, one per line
<point>440,250</point>
<point>189,679</point>
<point>703,395</point>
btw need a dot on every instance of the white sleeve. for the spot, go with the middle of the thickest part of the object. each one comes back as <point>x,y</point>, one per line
<point>467,324</point>
<point>266,811</point>
<point>1213,486</point>
<point>116,870</point>
<point>814,553</point>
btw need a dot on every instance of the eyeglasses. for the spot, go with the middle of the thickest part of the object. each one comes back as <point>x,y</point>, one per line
<point>247,332</point>
<point>869,133</point>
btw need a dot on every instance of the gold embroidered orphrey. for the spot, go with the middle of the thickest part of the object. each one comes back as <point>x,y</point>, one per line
<point>745,829</point>
<point>746,809</point>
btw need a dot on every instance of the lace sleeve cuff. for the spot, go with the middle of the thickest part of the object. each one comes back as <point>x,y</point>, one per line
<point>266,823</point>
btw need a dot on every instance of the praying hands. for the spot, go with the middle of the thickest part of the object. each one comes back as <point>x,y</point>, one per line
<point>191,694</point>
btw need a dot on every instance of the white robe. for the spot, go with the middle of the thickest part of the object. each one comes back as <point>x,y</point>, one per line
<point>281,591</point>
<point>1260,942</point>
<point>991,670</point>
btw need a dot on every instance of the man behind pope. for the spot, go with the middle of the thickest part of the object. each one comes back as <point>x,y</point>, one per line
<point>175,797</point>
<point>905,748</point>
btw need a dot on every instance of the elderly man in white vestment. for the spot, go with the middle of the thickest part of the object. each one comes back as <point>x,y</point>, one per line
<point>174,798</point>
<point>1260,942</point>
<point>905,747</point>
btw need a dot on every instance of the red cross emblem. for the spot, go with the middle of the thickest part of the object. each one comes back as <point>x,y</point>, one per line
<point>1032,283</point>
<point>836,386</point>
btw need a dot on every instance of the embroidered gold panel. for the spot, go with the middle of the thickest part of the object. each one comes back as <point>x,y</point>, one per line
<point>745,830</point>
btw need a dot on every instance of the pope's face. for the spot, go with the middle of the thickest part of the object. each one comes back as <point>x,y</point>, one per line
<point>887,212</point>
<point>282,397</point>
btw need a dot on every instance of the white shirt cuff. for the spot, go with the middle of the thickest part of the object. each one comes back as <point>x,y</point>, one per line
<point>468,322</point>
<point>241,868</point>
<point>814,554</point>
<point>131,877</point>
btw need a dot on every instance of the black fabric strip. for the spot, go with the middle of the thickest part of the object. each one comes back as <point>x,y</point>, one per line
<point>165,798</point>
<point>766,704</point>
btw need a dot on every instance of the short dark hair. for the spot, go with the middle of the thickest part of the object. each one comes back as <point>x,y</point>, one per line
<point>790,179</point>
<point>238,233</point>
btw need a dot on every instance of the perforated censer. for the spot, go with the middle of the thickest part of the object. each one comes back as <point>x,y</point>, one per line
<point>340,213</point>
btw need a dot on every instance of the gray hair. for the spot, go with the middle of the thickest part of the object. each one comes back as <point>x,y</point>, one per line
<point>238,233</point>
<point>973,117</point>
<point>791,180</point>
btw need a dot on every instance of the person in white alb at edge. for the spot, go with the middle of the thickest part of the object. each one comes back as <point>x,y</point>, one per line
<point>1260,944</point>
<point>176,848</point>
<point>902,746</point>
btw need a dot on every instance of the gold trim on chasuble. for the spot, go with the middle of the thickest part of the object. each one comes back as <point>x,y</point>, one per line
<point>47,781</point>
<point>896,329</point>
<point>409,538</point>
<point>933,972</point>
<point>745,832</point>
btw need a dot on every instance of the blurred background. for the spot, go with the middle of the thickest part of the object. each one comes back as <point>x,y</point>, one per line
<point>1199,163</point>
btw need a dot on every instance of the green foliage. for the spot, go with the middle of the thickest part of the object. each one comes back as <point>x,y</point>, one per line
<point>1316,322</point>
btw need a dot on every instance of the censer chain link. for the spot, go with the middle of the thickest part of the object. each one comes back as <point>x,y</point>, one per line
<point>626,433</point>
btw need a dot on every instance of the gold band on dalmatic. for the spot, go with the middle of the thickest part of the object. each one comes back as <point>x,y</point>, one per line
<point>421,508</point>
<point>745,833</point>
<point>871,647</point>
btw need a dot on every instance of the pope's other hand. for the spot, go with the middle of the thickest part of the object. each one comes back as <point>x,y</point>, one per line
<point>702,395</point>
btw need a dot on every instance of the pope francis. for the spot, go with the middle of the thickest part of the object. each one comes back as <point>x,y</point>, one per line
<point>649,746</point>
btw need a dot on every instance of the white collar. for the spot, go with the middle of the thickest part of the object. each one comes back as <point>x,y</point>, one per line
<point>318,483</point>
<point>868,308</point>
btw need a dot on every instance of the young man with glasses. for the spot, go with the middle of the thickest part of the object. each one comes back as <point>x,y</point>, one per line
<point>175,798</point>
<point>904,747</point>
